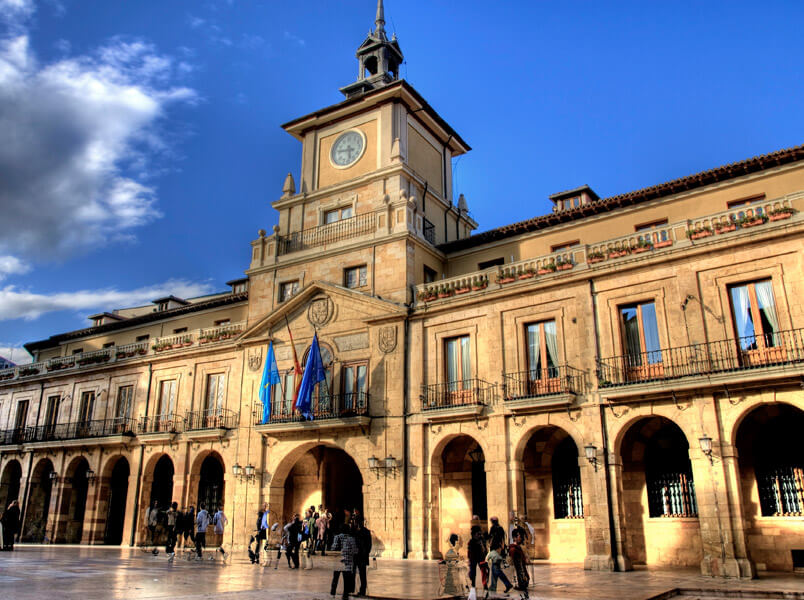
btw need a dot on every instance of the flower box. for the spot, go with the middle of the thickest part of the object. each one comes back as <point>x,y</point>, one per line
<point>119,355</point>
<point>463,290</point>
<point>641,249</point>
<point>6,376</point>
<point>477,288</point>
<point>28,371</point>
<point>564,266</point>
<point>700,234</point>
<point>617,253</point>
<point>525,275</point>
<point>595,258</point>
<point>663,244</point>
<point>203,341</point>
<point>188,343</point>
<point>506,279</point>
<point>444,294</point>
<point>752,222</point>
<point>781,215</point>
<point>141,351</point>
<point>726,228</point>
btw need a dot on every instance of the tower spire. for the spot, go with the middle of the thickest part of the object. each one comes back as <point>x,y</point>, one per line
<point>379,22</point>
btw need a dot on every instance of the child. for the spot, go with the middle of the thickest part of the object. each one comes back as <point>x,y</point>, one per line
<point>495,559</point>
<point>520,562</point>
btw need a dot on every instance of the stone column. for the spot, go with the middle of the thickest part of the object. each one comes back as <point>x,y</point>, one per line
<point>623,561</point>
<point>733,487</point>
<point>596,516</point>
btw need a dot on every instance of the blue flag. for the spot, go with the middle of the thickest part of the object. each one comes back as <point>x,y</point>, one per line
<point>270,376</point>
<point>313,373</point>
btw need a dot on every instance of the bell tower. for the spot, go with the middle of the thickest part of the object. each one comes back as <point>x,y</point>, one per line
<point>378,59</point>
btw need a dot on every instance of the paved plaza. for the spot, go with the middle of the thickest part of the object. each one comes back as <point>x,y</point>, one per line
<point>82,573</point>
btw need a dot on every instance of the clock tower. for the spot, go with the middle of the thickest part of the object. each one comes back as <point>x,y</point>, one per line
<point>374,189</point>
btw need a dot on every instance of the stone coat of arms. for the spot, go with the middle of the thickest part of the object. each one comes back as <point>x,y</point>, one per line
<point>255,360</point>
<point>320,311</point>
<point>387,341</point>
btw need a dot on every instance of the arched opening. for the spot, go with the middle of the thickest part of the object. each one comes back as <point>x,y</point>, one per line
<point>462,489</point>
<point>10,484</point>
<point>117,491</point>
<point>771,459</point>
<point>38,506</point>
<point>326,476</point>
<point>659,502</point>
<point>162,485</point>
<point>210,484</point>
<point>553,496</point>
<point>74,503</point>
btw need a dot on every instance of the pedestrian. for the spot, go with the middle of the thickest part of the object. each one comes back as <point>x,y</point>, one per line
<point>345,542</point>
<point>188,530</point>
<point>201,522</point>
<point>476,551</point>
<point>171,518</point>
<point>152,519</point>
<point>497,534</point>
<point>363,539</point>
<point>283,545</point>
<point>262,531</point>
<point>220,521</point>
<point>294,529</point>
<point>520,561</point>
<point>11,524</point>
<point>310,530</point>
<point>495,560</point>
<point>322,525</point>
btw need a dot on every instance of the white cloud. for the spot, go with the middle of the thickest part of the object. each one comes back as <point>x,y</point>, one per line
<point>11,265</point>
<point>294,38</point>
<point>22,304</point>
<point>15,353</point>
<point>77,137</point>
<point>16,10</point>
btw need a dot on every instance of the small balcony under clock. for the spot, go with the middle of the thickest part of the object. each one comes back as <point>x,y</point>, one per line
<point>325,235</point>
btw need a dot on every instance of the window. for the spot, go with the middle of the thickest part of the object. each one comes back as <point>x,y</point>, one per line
<point>564,246</point>
<point>166,403</point>
<point>162,307</point>
<point>109,345</point>
<point>755,321</point>
<point>640,334</point>
<point>668,475</point>
<point>78,351</point>
<point>222,322</point>
<point>651,225</point>
<point>180,330</point>
<point>143,338</point>
<point>458,364</point>
<point>87,407</point>
<point>542,351</point>
<point>487,264</point>
<point>339,214</point>
<point>429,275</point>
<point>214,398</point>
<point>283,397</point>
<point>355,277</point>
<point>52,412</point>
<point>288,289</point>
<point>322,393</point>
<point>745,201</point>
<point>21,418</point>
<point>353,382</point>
<point>125,397</point>
<point>567,495</point>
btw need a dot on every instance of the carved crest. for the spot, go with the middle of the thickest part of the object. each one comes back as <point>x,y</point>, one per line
<point>319,312</point>
<point>255,359</point>
<point>388,339</point>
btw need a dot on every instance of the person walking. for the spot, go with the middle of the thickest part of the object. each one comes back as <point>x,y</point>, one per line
<point>152,519</point>
<point>495,559</point>
<point>497,534</point>
<point>171,521</point>
<point>11,524</point>
<point>476,550</point>
<point>345,542</point>
<point>363,539</point>
<point>322,525</point>
<point>283,545</point>
<point>220,521</point>
<point>188,530</point>
<point>520,562</point>
<point>263,516</point>
<point>201,522</point>
<point>294,530</point>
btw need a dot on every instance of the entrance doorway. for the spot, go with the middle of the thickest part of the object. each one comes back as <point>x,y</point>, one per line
<point>116,513</point>
<point>10,484</point>
<point>38,508</point>
<point>74,503</point>
<point>210,485</point>
<point>162,485</point>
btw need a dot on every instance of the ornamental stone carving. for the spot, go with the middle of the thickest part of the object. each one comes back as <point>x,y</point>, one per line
<point>387,341</point>
<point>320,311</point>
<point>255,359</point>
<point>355,341</point>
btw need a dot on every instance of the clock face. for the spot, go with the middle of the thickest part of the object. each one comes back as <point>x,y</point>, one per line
<point>348,148</point>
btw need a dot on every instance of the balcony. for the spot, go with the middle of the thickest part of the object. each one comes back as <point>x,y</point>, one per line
<point>455,399</point>
<point>325,235</point>
<point>529,391</point>
<point>329,412</point>
<point>428,231</point>
<point>13,437</point>
<point>210,423</point>
<point>752,357</point>
<point>116,431</point>
<point>160,428</point>
<point>115,354</point>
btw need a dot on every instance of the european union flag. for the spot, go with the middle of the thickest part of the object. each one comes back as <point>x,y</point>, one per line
<point>270,376</point>
<point>313,373</point>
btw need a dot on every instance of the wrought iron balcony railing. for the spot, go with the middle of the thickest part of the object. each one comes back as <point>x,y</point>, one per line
<point>428,230</point>
<point>465,392</point>
<point>740,354</point>
<point>332,406</point>
<point>69,431</point>
<point>326,234</point>
<point>551,381</point>
<point>167,423</point>
<point>214,418</point>
<point>9,437</point>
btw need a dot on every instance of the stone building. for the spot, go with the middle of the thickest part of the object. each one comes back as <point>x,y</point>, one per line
<point>624,374</point>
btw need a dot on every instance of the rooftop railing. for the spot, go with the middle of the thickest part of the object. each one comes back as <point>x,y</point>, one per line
<point>330,406</point>
<point>325,235</point>
<point>740,354</point>
<point>212,418</point>
<point>465,392</point>
<point>561,379</point>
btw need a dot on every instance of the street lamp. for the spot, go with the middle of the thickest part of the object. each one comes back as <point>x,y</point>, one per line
<point>249,470</point>
<point>90,474</point>
<point>373,463</point>
<point>591,454</point>
<point>237,469</point>
<point>476,455</point>
<point>706,447</point>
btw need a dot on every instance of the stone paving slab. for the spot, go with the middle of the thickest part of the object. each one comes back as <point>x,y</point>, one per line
<point>97,573</point>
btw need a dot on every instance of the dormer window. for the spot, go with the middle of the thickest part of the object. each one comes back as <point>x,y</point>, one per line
<point>238,286</point>
<point>162,306</point>
<point>572,199</point>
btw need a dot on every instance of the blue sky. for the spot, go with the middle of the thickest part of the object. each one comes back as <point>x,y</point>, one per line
<point>140,145</point>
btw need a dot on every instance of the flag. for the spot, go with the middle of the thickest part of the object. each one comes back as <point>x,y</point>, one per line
<point>270,376</point>
<point>297,370</point>
<point>313,373</point>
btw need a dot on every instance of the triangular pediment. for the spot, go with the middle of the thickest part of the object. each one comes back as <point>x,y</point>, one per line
<point>319,306</point>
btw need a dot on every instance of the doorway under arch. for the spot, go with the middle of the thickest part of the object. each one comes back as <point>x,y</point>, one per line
<point>659,501</point>
<point>38,505</point>
<point>162,484</point>
<point>210,483</point>
<point>116,510</point>
<point>73,503</point>
<point>327,476</point>
<point>771,460</point>
<point>10,484</point>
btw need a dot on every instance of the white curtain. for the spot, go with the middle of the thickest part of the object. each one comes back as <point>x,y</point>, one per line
<point>742,314</point>
<point>768,307</point>
<point>651,330</point>
<point>552,346</point>
<point>466,364</point>
<point>534,349</point>
<point>452,364</point>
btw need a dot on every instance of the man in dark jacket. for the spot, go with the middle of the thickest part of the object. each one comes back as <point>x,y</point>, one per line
<point>363,538</point>
<point>477,556</point>
<point>11,524</point>
<point>496,534</point>
<point>294,540</point>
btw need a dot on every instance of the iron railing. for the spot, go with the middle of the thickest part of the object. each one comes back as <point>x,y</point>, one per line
<point>428,230</point>
<point>168,423</point>
<point>561,379</point>
<point>740,354</point>
<point>330,406</point>
<point>15,436</point>
<point>465,392</point>
<point>326,234</point>
<point>213,418</point>
<point>69,431</point>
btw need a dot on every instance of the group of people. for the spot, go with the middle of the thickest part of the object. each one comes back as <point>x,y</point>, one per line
<point>185,527</point>
<point>317,532</point>
<point>10,525</point>
<point>489,554</point>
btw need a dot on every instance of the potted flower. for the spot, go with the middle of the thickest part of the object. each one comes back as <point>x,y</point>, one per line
<point>725,226</point>
<point>752,220</point>
<point>480,284</point>
<point>618,252</point>
<point>563,264</point>
<point>697,233</point>
<point>426,295</point>
<point>525,273</point>
<point>547,268</point>
<point>142,351</point>
<point>463,288</point>
<point>188,341</point>
<point>595,257</point>
<point>27,371</point>
<point>663,243</point>
<point>643,245</point>
<point>785,212</point>
<point>505,277</point>
<point>444,292</point>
